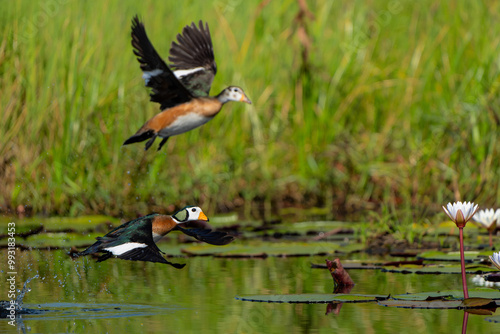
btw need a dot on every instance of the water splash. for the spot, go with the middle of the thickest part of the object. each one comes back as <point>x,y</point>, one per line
<point>6,306</point>
<point>22,292</point>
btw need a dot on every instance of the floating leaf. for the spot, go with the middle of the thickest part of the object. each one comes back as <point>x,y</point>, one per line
<point>314,211</point>
<point>451,256</point>
<point>480,304</point>
<point>482,311</point>
<point>312,298</point>
<point>56,240</point>
<point>477,302</point>
<point>262,249</point>
<point>224,219</point>
<point>22,230</point>
<point>77,224</point>
<point>438,269</point>
<point>316,226</point>
<point>432,304</point>
<point>450,294</point>
<point>351,265</point>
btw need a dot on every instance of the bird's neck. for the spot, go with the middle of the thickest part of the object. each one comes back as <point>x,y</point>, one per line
<point>222,97</point>
<point>162,224</point>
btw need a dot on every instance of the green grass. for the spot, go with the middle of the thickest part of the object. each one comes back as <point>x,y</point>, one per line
<point>396,107</point>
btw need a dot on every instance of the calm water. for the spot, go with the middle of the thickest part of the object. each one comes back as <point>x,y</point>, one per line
<point>116,296</point>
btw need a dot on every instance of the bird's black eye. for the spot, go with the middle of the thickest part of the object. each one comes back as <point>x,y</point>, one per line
<point>193,210</point>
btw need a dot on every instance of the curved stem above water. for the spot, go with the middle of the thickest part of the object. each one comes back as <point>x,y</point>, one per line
<point>462,262</point>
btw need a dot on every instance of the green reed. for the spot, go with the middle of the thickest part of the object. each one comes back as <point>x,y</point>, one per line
<point>397,105</point>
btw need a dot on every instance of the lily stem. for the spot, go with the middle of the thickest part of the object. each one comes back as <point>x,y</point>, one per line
<point>491,239</point>
<point>464,322</point>
<point>462,262</point>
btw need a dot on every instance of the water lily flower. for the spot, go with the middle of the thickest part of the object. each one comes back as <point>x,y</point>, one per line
<point>460,213</point>
<point>495,259</point>
<point>488,219</point>
<point>497,214</point>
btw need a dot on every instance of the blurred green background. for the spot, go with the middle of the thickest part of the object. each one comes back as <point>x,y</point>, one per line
<point>387,106</point>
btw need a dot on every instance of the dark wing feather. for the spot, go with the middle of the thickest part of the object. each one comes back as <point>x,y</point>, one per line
<point>167,90</point>
<point>142,233</point>
<point>208,236</point>
<point>151,254</point>
<point>124,227</point>
<point>193,50</point>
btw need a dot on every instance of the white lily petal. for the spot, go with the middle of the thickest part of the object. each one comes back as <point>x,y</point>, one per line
<point>496,259</point>
<point>485,217</point>
<point>467,210</point>
<point>452,210</point>
<point>497,216</point>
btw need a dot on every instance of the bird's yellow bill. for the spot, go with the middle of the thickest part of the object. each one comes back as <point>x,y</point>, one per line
<point>244,98</point>
<point>202,216</point>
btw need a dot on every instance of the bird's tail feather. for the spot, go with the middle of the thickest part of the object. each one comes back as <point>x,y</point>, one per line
<point>138,137</point>
<point>91,250</point>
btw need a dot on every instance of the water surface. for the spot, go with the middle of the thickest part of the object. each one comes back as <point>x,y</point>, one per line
<point>119,296</point>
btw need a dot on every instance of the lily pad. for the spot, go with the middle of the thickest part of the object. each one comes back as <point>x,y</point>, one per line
<point>438,269</point>
<point>348,265</point>
<point>432,304</point>
<point>312,298</point>
<point>445,302</point>
<point>77,224</point>
<point>316,226</point>
<point>265,249</point>
<point>451,256</point>
<point>59,240</point>
<point>23,230</point>
<point>449,228</point>
<point>478,302</point>
<point>450,294</point>
<point>304,212</point>
<point>224,219</point>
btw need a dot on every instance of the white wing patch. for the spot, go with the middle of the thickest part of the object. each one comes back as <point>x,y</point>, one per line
<point>122,249</point>
<point>181,73</point>
<point>184,124</point>
<point>146,75</point>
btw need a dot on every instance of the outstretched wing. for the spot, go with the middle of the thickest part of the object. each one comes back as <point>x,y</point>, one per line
<point>208,236</point>
<point>167,90</point>
<point>128,243</point>
<point>124,227</point>
<point>116,236</point>
<point>151,254</point>
<point>192,58</point>
<point>139,245</point>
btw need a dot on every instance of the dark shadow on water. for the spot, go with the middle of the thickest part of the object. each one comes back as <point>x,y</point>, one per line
<point>65,311</point>
<point>56,311</point>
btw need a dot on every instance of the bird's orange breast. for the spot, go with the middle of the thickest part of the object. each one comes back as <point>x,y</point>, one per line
<point>163,224</point>
<point>204,106</point>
